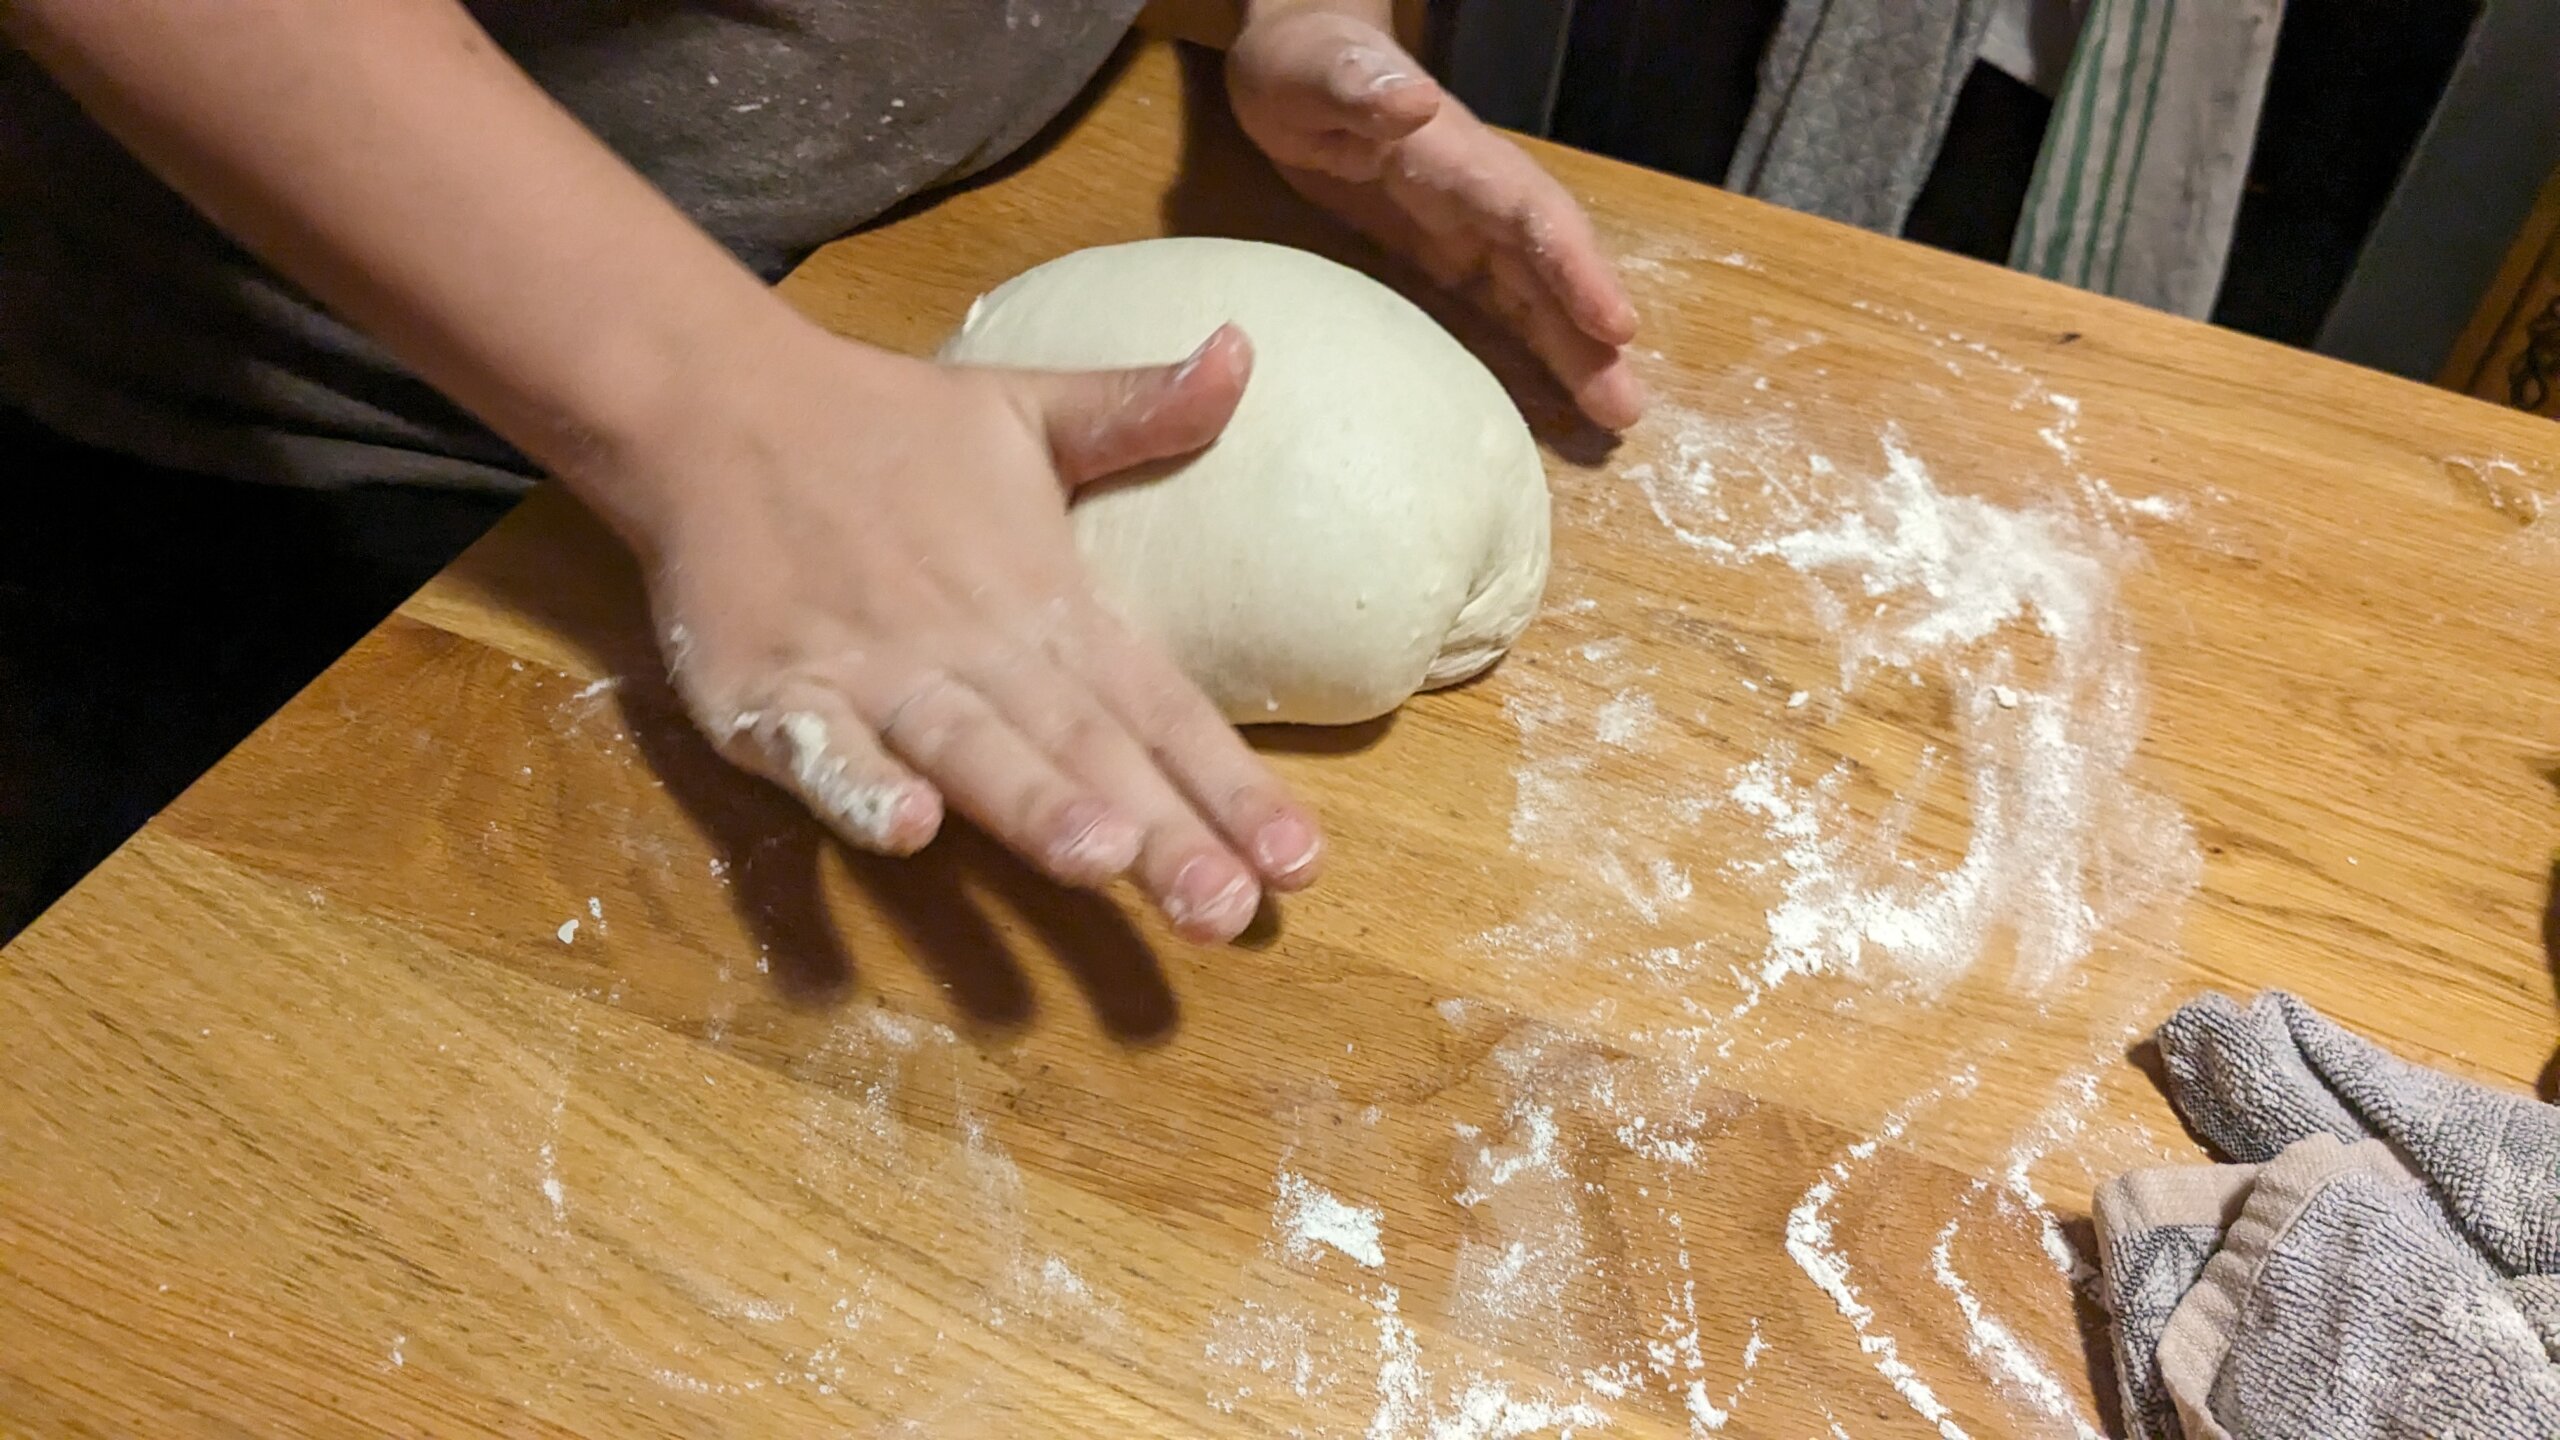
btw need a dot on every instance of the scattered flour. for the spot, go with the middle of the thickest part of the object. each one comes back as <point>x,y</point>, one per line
<point>1478,1409</point>
<point>1487,1410</point>
<point>1278,1342</point>
<point>1525,1244</point>
<point>1811,1244</point>
<point>2065,841</point>
<point>1993,1343</point>
<point>1403,1399</point>
<point>1625,719</point>
<point>1309,1216</point>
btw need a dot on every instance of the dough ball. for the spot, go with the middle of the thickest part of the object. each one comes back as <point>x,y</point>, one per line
<point>1374,521</point>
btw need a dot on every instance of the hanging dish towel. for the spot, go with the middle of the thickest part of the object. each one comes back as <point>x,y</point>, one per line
<point>1853,104</point>
<point>2139,181</point>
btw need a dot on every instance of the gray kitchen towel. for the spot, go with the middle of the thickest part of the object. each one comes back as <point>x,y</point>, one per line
<point>2386,1262</point>
<point>1853,104</point>
<point>2157,1230</point>
<point>2254,1081</point>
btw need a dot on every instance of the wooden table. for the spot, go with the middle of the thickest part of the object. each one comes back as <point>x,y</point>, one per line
<point>472,1053</point>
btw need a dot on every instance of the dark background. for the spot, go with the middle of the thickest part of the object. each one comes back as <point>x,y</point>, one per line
<point>1668,83</point>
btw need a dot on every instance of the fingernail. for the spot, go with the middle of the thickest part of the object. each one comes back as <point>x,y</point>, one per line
<point>913,814</point>
<point>1378,73</point>
<point>1286,848</point>
<point>1639,396</point>
<point>1203,904</point>
<point>1192,361</point>
<point>1103,846</point>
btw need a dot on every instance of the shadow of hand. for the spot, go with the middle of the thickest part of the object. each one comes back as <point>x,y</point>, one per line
<point>557,568</point>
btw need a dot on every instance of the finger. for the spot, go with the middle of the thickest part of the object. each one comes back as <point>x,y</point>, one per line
<point>814,745</point>
<point>1208,893</point>
<point>1334,76</point>
<point>1378,93</point>
<point>1521,208</point>
<point>1101,422</point>
<point>1603,385</point>
<point>990,773</point>
<point>1190,742</point>
<point>1444,230</point>
<point>1413,231</point>
<point>1564,251</point>
<point>1342,154</point>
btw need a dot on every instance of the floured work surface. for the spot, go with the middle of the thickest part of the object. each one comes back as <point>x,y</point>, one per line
<point>1713,1021</point>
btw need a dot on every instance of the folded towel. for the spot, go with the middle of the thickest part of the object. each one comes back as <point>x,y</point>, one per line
<point>2385,1262</point>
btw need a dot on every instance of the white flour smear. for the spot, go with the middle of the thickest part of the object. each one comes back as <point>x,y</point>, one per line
<point>1611,828</point>
<point>1265,1344</point>
<point>2012,610</point>
<point>1477,1408</point>
<point>2020,1372</point>
<point>2062,1122</point>
<point>1812,1245</point>
<point>1523,1259</point>
<point>1310,1218</point>
<point>1385,1389</point>
<point>1529,1280</point>
<point>2510,488</point>
<point>2013,1364</point>
<point>854,1082</point>
<point>1525,1242</point>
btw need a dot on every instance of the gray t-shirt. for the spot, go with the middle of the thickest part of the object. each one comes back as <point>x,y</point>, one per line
<point>129,322</point>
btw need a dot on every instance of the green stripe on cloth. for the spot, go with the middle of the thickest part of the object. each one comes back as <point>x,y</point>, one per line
<point>2075,159</point>
<point>2031,214</point>
<point>2117,109</point>
<point>2142,141</point>
<point>2137,185</point>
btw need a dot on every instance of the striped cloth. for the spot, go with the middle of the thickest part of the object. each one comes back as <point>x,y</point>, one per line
<point>2139,180</point>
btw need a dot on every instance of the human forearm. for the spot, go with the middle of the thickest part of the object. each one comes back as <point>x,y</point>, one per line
<point>391,160</point>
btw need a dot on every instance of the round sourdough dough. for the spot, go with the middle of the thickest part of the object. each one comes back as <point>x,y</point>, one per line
<point>1374,520</point>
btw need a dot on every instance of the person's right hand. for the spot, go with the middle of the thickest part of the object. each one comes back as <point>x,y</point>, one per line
<point>868,593</point>
<point>860,563</point>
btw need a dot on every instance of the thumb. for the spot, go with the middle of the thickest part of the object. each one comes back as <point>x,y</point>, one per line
<point>1377,92</point>
<point>1324,72</point>
<point>1101,422</point>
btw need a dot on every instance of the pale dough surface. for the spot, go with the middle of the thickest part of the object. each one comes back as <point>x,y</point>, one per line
<point>1374,520</point>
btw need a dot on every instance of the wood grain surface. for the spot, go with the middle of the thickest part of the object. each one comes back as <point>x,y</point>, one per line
<point>1721,1013</point>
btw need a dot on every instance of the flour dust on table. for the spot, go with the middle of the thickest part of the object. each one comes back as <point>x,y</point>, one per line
<point>1996,860</point>
<point>2525,494</point>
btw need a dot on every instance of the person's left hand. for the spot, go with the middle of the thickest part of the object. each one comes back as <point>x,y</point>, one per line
<point>1354,123</point>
